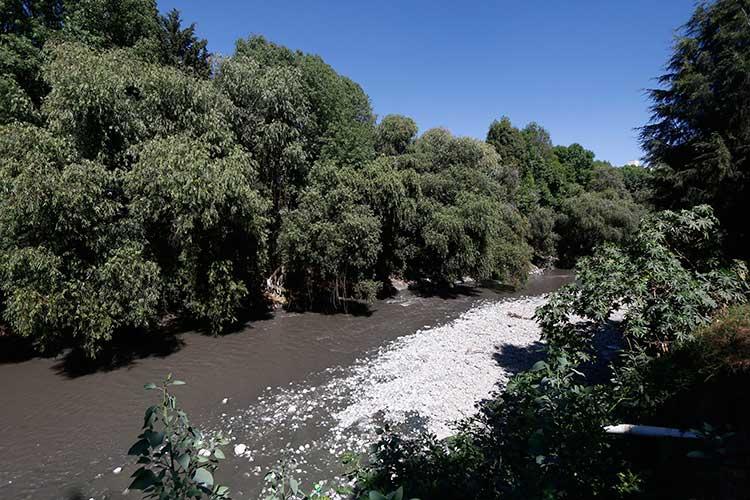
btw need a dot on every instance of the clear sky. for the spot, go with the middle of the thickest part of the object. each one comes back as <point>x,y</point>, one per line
<point>577,67</point>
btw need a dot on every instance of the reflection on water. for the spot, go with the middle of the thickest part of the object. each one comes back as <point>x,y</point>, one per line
<point>62,433</point>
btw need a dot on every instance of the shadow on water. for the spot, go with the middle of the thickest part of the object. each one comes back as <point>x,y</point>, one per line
<point>516,359</point>
<point>446,292</point>
<point>130,346</point>
<point>16,349</point>
<point>349,307</point>
<point>74,494</point>
<point>124,350</point>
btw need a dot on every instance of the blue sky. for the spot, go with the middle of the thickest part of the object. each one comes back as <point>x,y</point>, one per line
<point>577,67</point>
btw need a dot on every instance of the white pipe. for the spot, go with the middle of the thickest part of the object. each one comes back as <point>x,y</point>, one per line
<point>650,431</point>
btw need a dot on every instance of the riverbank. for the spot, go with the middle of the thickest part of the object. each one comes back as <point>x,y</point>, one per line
<point>290,385</point>
<point>426,380</point>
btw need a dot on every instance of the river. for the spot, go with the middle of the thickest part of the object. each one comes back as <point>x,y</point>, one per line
<point>275,385</point>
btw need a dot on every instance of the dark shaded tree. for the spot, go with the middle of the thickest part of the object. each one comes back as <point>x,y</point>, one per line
<point>25,26</point>
<point>699,135</point>
<point>180,47</point>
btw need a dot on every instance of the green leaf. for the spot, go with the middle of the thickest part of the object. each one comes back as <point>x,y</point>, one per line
<point>539,365</point>
<point>376,495</point>
<point>149,386</point>
<point>184,461</point>
<point>177,382</point>
<point>144,479</point>
<point>204,477</point>
<point>219,454</point>
<point>399,493</point>
<point>150,416</point>
<point>139,448</point>
<point>155,439</point>
<point>294,485</point>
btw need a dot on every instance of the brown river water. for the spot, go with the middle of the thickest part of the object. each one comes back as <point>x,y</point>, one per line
<point>63,433</point>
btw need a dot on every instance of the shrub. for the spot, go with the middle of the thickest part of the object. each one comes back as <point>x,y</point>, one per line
<point>725,342</point>
<point>543,436</point>
<point>177,461</point>
<point>669,278</point>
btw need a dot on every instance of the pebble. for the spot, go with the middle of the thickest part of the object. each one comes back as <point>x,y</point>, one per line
<point>117,470</point>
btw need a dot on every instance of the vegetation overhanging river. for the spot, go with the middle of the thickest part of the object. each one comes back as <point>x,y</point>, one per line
<point>64,433</point>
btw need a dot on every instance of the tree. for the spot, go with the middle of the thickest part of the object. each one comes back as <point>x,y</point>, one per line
<point>181,47</point>
<point>73,267</point>
<point>639,181</point>
<point>509,143</point>
<point>134,198</point>
<point>204,220</point>
<point>576,161</point>
<point>108,101</point>
<point>593,218</point>
<point>25,26</point>
<point>331,242</point>
<point>114,23</point>
<point>547,179</point>
<point>342,128</point>
<point>394,134</point>
<point>700,126</point>
<point>604,176</point>
<point>466,223</point>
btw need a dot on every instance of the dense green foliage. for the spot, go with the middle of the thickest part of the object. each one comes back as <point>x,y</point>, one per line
<point>700,126</point>
<point>139,178</point>
<point>573,203</point>
<point>543,436</point>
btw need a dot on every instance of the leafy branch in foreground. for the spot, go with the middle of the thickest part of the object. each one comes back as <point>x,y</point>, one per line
<point>177,461</point>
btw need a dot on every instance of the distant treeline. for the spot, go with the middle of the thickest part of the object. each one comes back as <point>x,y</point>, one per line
<point>141,176</point>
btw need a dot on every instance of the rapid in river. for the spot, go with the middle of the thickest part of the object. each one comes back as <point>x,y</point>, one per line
<point>305,387</point>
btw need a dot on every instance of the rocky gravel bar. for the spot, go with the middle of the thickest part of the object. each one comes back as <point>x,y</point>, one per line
<point>424,380</point>
<point>441,373</point>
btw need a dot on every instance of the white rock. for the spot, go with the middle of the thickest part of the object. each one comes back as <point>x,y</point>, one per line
<point>117,470</point>
<point>240,449</point>
<point>224,401</point>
